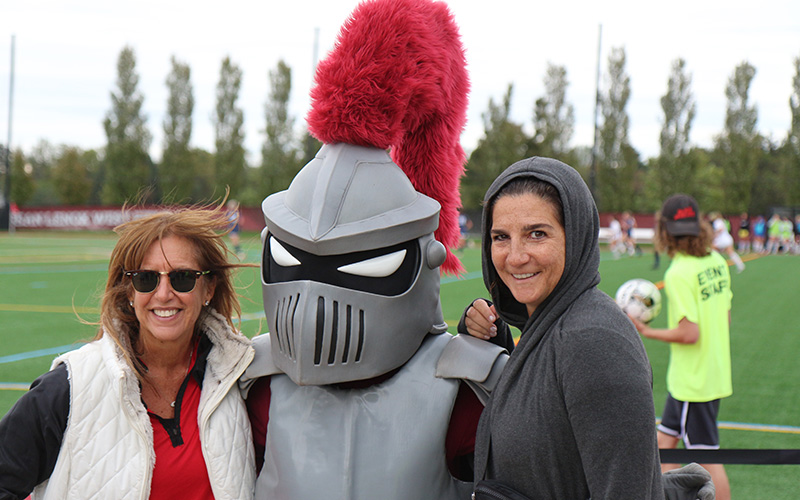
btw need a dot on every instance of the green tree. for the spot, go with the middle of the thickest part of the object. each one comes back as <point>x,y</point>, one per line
<point>203,186</point>
<point>177,174</point>
<point>772,188</point>
<point>128,167</point>
<point>22,181</point>
<point>679,110</point>
<point>618,162</point>
<point>792,145</point>
<point>310,146</point>
<point>707,186</point>
<point>503,143</point>
<point>674,169</point>
<point>280,159</point>
<point>794,107</point>
<point>72,178</point>
<point>98,170</point>
<point>254,192</point>
<point>5,159</point>
<point>40,164</point>
<point>229,160</point>
<point>553,116</point>
<point>778,170</point>
<point>94,170</point>
<point>738,148</point>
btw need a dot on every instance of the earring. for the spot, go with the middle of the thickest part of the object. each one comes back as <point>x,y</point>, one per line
<point>207,302</point>
<point>130,303</point>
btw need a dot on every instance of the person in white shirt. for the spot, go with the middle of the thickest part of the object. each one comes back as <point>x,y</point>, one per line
<point>723,241</point>
<point>616,241</point>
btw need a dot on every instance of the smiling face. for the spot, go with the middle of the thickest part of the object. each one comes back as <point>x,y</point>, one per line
<point>528,246</point>
<point>166,316</point>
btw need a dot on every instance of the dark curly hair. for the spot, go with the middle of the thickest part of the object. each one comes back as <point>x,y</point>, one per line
<point>696,246</point>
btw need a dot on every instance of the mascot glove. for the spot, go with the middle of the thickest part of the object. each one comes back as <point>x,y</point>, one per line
<point>691,482</point>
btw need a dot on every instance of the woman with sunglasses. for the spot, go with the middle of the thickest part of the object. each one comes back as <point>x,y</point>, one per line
<point>150,408</point>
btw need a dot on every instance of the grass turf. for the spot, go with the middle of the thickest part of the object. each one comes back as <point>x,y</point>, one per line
<point>49,276</point>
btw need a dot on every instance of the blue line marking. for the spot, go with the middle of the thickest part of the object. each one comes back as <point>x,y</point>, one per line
<point>14,386</point>
<point>66,348</point>
<point>469,276</point>
<point>39,353</point>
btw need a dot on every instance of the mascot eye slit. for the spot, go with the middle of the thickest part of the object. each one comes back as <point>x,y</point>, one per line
<point>281,256</point>
<point>377,267</point>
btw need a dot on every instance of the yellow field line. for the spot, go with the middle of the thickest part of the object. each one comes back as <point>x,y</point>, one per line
<point>742,427</point>
<point>13,386</point>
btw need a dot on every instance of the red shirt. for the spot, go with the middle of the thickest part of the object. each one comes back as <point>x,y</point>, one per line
<point>180,469</point>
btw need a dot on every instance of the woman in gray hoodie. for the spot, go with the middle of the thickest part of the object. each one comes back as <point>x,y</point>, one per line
<point>572,416</point>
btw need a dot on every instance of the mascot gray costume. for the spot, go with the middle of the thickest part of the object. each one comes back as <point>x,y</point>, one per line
<point>358,391</point>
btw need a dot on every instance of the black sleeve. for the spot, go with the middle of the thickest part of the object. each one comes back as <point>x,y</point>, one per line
<point>503,337</point>
<point>31,433</point>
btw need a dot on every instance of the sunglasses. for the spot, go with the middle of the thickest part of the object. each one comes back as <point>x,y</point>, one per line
<point>182,280</point>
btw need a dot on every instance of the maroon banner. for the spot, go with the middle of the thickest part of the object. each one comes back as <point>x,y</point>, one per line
<point>75,218</point>
<point>96,218</point>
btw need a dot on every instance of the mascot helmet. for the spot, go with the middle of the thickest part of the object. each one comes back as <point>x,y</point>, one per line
<point>349,254</point>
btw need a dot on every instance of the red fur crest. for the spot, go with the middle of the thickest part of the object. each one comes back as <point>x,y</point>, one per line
<point>397,79</point>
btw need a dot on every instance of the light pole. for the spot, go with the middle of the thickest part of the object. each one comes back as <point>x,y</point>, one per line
<point>595,145</point>
<point>5,222</point>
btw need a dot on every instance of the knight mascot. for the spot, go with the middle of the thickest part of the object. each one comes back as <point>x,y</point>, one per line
<point>358,391</point>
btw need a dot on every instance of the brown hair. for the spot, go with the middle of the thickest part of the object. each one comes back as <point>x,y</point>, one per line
<point>696,246</point>
<point>530,185</point>
<point>204,227</point>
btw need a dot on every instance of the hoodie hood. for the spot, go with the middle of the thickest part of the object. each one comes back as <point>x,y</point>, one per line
<point>581,226</point>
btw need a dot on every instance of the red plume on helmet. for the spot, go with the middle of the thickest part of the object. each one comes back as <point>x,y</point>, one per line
<point>396,79</point>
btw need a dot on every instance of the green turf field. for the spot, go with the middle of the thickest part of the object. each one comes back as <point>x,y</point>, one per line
<point>48,277</point>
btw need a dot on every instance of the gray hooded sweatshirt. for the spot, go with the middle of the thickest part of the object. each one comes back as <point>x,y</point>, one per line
<point>572,416</point>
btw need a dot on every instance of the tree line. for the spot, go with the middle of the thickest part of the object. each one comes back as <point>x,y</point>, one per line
<point>742,172</point>
<point>123,171</point>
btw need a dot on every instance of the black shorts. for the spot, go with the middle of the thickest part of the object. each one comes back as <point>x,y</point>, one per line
<point>695,423</point>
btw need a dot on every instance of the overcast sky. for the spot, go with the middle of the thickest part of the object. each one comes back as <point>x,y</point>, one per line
<point>66,55</point>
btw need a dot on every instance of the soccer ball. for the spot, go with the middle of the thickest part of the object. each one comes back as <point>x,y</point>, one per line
<point>640,299</point>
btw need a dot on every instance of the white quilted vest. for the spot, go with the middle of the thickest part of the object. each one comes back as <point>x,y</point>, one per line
<point>107,450</point>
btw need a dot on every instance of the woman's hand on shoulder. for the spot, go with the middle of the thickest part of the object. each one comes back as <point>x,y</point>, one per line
<point>480,320</point>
